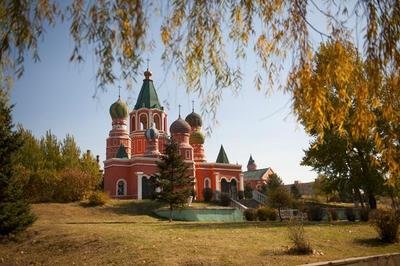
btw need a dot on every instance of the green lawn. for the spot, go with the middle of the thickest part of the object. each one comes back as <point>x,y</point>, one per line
<point>124,233</point>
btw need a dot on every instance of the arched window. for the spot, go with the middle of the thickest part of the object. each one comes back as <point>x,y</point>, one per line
<point>133,123</point>
<point>143,122</point>
<point>207,182</point>
<point>121,187</point>
<point>157,121</point>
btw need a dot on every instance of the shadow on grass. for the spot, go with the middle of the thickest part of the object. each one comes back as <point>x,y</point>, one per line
<point>220,225</point>
<point>132,207</point>
<point>371,242</point>
<point>86,204</point>
<point>245,224</point>
<point>111,222</point>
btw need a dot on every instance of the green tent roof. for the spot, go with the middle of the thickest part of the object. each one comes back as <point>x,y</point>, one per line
<point>148,96</point>
<point>254,175</point>
<point>121,153</point>
<point>251,161</point>
<point>222,158</point>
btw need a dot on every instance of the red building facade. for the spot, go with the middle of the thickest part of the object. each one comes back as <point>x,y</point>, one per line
<point>137,140</point>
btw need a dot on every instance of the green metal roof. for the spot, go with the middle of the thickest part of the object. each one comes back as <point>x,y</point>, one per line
<point>222,158</point>
<point>121,153</point>
<point>255,175</point>
<point>148,96</point>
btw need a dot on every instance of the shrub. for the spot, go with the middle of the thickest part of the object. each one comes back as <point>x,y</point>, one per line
<point>225,199</point>
<point>207,194</point>
<point>386,223</point>
<point>98,198</point>
<point>315,213</point>
<point>350,214</point>
<point>266,213</point>
<point>332,214</point>
<point>250,214</point>
<point>364,214</point>
<point>248,192</point>
<point>241,195</point>
<point>73,184</point>
<point>297,235</point>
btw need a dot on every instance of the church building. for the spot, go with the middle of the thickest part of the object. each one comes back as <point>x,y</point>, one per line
<point>138,138</point>
<point>256,178</point>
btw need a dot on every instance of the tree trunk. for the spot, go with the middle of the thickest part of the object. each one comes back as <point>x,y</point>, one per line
<point>279,213</point>
<point>371,201</point>
<point>359,196</point>
<point>170,213</point>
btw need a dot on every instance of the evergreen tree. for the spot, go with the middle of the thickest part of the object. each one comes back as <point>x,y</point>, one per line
<point>174,183</point>
<point>15,213</point>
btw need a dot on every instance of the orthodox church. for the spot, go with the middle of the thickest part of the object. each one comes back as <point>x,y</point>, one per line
<point>137,140</point>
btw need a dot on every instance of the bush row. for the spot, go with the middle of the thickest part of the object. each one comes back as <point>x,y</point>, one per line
<point>261,214</point>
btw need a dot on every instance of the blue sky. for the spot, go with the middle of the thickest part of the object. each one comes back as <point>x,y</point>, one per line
<point>58,95</point>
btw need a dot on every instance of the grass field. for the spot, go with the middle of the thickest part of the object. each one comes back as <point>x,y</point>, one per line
<point>123,233</point>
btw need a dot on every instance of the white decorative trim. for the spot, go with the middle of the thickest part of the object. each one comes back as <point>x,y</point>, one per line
<point>209,181</point>
<point>229,180</point>
<point>139,185</point>
<point>159,120</point>
<point>125,187</point>
<point>241,187</point>
<point>140,121</point>
<point>220,169</point>
<point>128,165</point>
<point>217,182</point>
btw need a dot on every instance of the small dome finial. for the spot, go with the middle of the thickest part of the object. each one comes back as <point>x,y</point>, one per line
<point>192,106</point>
<point>179,106</point>
<point>147,73</point>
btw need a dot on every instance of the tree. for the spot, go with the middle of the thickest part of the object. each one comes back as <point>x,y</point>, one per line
<point>195,36</point>
<point>273,182</point>
<point>90,167</point>
<point>279,198</point>
<point>347,165</point>
<point>174,183</point>
<point>49,170</point>
<point>294,191</point>
<point>322,187</point>
<point>70,152</point>
<point>344,153</point>
<point>15,213</point>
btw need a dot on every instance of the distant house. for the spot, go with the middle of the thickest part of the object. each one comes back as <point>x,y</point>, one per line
<point>305,189</point>
<point>254,177</point>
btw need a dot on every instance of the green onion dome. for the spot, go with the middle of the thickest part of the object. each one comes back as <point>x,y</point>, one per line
<point>179,126</point>
<point>194,120</point>
<point>196,137</point>
<point>151,133</point>
<point>119,110</point>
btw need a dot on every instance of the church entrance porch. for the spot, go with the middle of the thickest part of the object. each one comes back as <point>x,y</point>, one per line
<point>229,188</point>
<point>148,187</point>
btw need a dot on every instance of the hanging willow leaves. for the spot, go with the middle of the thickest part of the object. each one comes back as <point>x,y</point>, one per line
<point>198,35</point>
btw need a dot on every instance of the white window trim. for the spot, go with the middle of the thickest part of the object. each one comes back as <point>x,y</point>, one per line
<point>209,182</point>
<point>125,187</point>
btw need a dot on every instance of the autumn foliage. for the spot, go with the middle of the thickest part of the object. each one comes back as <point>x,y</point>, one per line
<point>52,171</point>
